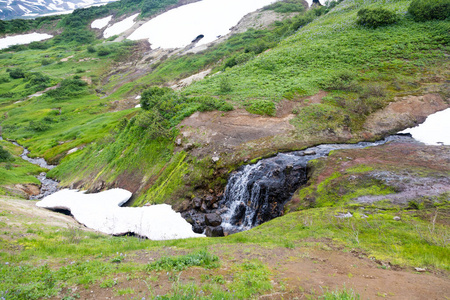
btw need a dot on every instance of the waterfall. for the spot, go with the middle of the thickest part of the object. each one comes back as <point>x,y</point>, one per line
<point>257,193</point>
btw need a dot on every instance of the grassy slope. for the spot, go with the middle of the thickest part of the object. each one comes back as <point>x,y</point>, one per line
<point>43,261</point>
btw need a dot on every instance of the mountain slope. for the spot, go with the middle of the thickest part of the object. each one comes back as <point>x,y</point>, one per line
<point>10,9</point>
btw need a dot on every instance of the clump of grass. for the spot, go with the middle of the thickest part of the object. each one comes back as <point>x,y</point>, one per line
<point>179,263</point>
<point>344,294</point>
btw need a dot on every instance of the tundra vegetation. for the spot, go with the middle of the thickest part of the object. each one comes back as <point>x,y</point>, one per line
<point>64,93</point>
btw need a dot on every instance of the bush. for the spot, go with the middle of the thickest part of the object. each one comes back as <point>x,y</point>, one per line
<point>69,88</point>
<point>261,107</point>
<point>424,10</point>
<point>5,155</point>
<point>224,85</point>
<point>16,73</point>
<point>377,17</point>
<point>342,80</point>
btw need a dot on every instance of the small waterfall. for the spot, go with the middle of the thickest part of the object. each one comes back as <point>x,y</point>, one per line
<point>257,193</point>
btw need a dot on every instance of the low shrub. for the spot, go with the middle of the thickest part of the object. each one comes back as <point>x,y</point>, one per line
<point>5,155</point>
<point>342,80</point>
<point>377,17</point>
<point>16,73</point>
<point>424,10</point>
<point>179,263</point>
<point>261,107</point>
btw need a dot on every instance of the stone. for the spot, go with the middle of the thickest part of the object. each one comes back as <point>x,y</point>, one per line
<point>309,152</point>
<point>213,219</point>
<point>215,158</point>
<point>214,231</point>
<point>203,208</point>
<point>178,142</point>
<point>196,202</point>
<point>397,218</point>
<point>189,146</point>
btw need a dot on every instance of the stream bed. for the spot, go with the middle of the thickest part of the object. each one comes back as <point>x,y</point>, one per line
<point>48,186</point>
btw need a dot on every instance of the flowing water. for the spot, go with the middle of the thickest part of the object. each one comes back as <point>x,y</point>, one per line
<point>48,186</point>
<point>257,193</point>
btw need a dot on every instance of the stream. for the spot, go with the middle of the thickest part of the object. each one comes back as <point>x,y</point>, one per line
<point>48,186</point>
<point>257,193</point>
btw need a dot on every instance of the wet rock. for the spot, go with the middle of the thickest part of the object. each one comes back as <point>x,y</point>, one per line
<point>309,152</point>
<point>197,202</point>
<point>214,231</point>
<point>213,219</point>
<point>98,186</point>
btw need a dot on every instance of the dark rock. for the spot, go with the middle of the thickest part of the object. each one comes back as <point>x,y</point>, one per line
<point>214,231</point>
<point>213,219</point>
<point>196,202</point>
<point>204,207</point>
<point>197,228</point>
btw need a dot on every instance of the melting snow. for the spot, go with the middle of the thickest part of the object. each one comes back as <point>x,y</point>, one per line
<point>102,212</point>
<point>120,27</point>
<point>180,26</point>
<point>101,23</point>
<point>434,131</point>
<point>23,39</point>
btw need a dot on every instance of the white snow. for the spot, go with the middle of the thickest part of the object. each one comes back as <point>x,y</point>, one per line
<point>23,39</point>
<point>101,23</point>
<point>102,212</point>
<point>434,131</point>
<point>120,27</point>
<point>180,26</point>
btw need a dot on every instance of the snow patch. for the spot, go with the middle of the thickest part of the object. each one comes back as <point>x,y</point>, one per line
<point>180,26</point>
<point>434,131</point>
<point>23,39</point>
<point>101,23</point>
<point>102,212</point>
<point>120,27</point>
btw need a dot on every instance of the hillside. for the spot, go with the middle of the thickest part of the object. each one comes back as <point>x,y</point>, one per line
<point>174,125</point>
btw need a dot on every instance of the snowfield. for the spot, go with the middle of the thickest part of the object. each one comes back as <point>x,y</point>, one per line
<point>102,212</point>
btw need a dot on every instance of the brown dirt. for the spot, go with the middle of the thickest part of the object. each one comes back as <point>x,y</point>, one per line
<point>26,212</point>
<point>296,274</point>
<point>405,112</point>
<point>224,131</point>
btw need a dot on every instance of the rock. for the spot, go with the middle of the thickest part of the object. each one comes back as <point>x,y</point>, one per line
<point>203,208</point>
<point>213,219</point>
<point>214,231</point>
<point>189,146</point>
<point>309,152</point>
<point>420,269</point>
<point>397,218</point>
<point>215,158</point>
<point>178,142</point>
<point>196,202</point>
<point>347,215</point>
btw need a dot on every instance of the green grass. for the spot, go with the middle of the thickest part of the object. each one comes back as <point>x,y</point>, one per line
<point>179,263</point>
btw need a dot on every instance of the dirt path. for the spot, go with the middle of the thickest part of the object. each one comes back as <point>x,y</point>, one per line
<point>17,213</point>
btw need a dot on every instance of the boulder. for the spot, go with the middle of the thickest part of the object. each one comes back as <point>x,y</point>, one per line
<point>214,231</point>
<point>213,219</point>
<point>196,202</point>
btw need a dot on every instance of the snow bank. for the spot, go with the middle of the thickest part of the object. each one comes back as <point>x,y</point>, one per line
<point>101,23</point>
<point>23,39</point>
<point>180,26</point>
<point>102,212</point>
<point>120,27</point>
<point>434,131</point>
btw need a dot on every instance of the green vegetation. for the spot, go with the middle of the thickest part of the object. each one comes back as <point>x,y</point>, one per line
<point>425,10</point>
<point>377,17</point>
<point>179,263</point>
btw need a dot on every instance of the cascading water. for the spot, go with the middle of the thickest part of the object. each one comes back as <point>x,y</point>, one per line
<point>257,193</point>
<point>48,186</point>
